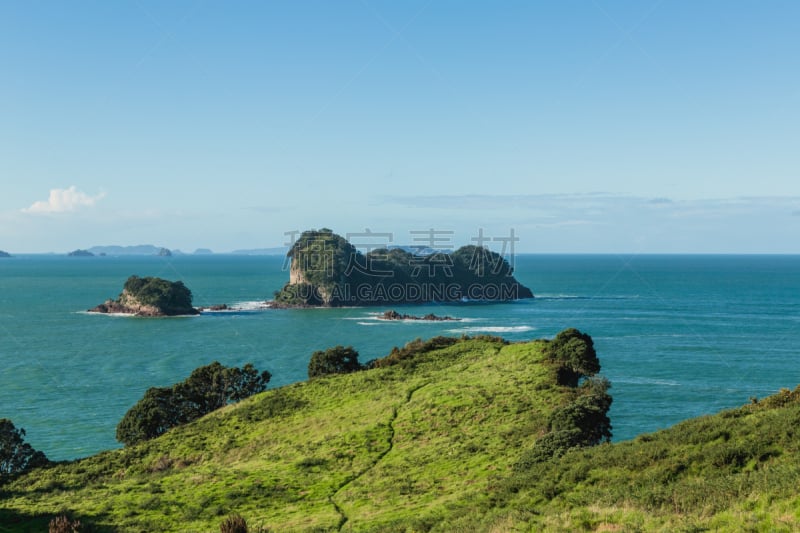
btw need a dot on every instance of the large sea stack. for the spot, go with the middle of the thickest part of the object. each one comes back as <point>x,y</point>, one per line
<point>328,271</point>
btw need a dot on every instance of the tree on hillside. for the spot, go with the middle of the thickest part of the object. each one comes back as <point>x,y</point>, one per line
<point>588,413</point>
<point>575,355</point>
<point>16,455</point>
<point>337,360</point>
<point>157,412</point>
<point>581,422</point>
<point>207,388</point>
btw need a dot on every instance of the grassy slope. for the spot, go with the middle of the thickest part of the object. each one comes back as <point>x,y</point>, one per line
<point>431,447</point>
<point>734,471</point>
<point>396,445</point>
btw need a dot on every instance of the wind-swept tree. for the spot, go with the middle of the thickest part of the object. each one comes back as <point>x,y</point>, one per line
<point>207,388</point>
<point>16,455</point>
<point>336,360</point>
<point>575,356</point>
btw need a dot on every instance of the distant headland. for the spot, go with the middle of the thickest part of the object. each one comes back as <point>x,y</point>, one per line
<point>4,254</point>
<point>150,297</point>
<point>328,271</point>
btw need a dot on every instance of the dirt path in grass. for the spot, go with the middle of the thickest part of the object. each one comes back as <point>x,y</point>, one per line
<point>390,441</point>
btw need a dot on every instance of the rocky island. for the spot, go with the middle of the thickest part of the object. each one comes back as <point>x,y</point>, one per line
<point>4,254</point>
<point>80,253</point>
<point>430,317</point>
<point>328,271</point>
<point>150,297</point>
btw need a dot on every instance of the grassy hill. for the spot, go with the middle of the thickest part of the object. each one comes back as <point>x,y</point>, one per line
<point>443,441</point>
<point>405,445</point>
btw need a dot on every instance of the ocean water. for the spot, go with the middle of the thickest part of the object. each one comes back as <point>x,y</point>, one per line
<point>678,336</point>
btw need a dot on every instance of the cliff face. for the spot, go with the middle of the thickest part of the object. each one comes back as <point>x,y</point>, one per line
<point>127,304</point>
<point>326,270</point>
<point>296,274</point>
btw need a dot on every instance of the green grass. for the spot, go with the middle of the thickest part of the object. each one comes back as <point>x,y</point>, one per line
<point>391,445</point>
<point>436,442</point>
<point>734,471</point>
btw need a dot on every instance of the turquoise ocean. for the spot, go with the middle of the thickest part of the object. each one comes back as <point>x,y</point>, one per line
<point>678,336</point>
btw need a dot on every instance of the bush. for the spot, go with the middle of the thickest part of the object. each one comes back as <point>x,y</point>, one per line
<point>575,356</point>
<point>551,446</point>
<point>62,524</point>
<point>337,360</point>
<point>581,422</point>
<point>413,349</point>
<point>16,455</point>
<point>233,524</point>
<point>208,388</point>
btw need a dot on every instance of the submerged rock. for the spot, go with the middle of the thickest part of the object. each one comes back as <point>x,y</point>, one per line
<point>394,315</point>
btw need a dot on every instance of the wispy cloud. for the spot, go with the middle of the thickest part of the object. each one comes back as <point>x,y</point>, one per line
<point>597,203</point>
<point>63,201</point>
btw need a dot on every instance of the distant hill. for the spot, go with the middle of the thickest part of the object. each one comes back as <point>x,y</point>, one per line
<point>4,254</point>
<point>142,249</point>
<point>80,253</point>
<point>279,250</point>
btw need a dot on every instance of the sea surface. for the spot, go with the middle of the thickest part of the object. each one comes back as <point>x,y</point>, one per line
<point>678,336</point>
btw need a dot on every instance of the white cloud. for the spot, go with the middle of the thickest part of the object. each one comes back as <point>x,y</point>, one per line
<point>63,200</point>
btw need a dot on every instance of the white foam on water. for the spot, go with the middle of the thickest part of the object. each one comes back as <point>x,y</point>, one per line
<point>492,329</point>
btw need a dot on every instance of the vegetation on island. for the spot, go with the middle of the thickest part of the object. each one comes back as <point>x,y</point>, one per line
<point>446,434</point>
<point>326,270</point>
<point>151,296</point>
<point>208,388</point>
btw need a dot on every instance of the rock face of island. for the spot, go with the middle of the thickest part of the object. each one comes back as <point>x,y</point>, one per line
<point>80,253</point>
<point>4,254</point>
<point>328,271</point>
<point>150,297</point>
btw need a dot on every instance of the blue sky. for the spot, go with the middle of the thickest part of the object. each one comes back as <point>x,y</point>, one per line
<point>592,126</point>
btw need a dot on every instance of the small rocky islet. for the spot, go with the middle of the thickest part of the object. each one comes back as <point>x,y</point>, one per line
<point>150,297</point>
<point>430,317</point>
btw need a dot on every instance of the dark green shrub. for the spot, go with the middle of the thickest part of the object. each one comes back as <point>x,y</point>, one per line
<point>16,455</point>
<point>551,446</point>
<point>575,356</point>
<point>336,360</point>
<point>208,388</point>
<point>233,524</point>
<point>412,349</point>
